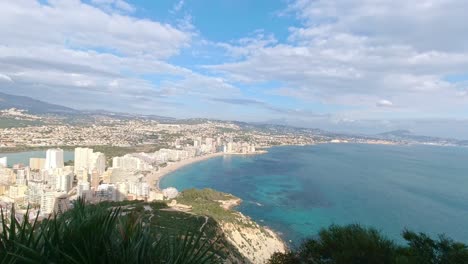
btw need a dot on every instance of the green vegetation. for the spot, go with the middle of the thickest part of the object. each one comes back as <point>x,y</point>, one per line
<point>354,244</point>
<point>126,232</point>
<point>204,202</point>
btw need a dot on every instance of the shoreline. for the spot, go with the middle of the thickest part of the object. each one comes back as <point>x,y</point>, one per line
<point>155,177</point>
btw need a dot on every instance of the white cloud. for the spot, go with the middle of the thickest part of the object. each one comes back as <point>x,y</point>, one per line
<point>348,57</point>
<point>178,6</point>
<point>79,25</point>
<point>351,54</point>
<point>114,5</point>
<point>4,77</point>
<point>98,56</point>
<point>384,103</point>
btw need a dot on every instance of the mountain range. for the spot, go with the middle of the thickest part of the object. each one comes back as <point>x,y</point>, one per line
<point>33,106</point>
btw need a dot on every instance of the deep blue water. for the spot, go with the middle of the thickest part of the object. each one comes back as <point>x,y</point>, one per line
<point>299,190</point>
<point>23,157</point>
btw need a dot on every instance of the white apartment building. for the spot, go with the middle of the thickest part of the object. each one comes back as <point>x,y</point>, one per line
<point>83,189</point>
<point>97,161</point>
<point>82,157</point>
<point>22,175</point>
<point>54,159</point>
<point>64,182</point>
<point>53,202</point>
<point>129,162</point>
<point>88,160</point>
<point>4,162</point>
<point>37,163</point>
<point>107,192</point>
<point>139,188</point>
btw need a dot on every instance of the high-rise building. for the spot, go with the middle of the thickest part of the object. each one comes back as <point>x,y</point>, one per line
<point>17,191</point>
<point>4,162</point>
<point>129,162</point>
<point>22,175</point>
<point>95,179</point>
<point>50,202</point>
<point>97,162</point>
<point>107,192</point>
<point>82,175</point>
<point>83,190</point>
<point>122,191</point>
<point>37,163</point>
<point>7,176</point>
<point>64,182</point>
<point>54,159</point>
<point>82,157</point>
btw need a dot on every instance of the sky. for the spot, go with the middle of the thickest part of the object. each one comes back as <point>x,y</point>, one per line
<point>364,66</point>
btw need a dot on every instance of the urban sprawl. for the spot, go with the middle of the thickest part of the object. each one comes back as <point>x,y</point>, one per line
<point>49,185</point>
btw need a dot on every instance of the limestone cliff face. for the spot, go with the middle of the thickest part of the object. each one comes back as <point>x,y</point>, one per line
<point>254,242</point>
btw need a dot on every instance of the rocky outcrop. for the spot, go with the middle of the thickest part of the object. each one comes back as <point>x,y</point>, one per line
<point>256,243</point>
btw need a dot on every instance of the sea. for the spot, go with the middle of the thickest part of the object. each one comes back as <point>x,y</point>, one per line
<point>299,190</point>
<point>23,157</point>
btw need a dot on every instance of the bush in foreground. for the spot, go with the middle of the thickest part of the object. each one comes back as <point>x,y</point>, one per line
<point>96,234</point>
<point>355,244</point>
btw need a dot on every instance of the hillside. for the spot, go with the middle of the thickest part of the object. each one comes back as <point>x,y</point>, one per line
<point>202,230</point>
<point>32,105</point>
<point>254,242</point>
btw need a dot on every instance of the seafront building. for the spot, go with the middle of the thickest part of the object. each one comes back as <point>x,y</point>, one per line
<point>4,162</point>
<point>129,162</point>
<point>82,158</point>
<point>54,159</point>
<point>50,185</point>
<point>37,163</point>
<point>88,160</point>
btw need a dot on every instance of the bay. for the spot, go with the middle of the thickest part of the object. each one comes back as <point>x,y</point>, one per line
<point>297,190</point>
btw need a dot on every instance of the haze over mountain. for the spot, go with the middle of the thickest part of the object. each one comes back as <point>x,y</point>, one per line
<point>336,65</point>
<point>32,105</point>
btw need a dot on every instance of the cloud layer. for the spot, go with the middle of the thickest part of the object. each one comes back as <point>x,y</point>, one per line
<point>344,62</point>
<point>363,55</point>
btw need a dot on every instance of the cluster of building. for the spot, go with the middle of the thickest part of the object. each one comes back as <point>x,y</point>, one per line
<point>18,114</point>
<point>107,131</point>
<point>45,183</point>
<point>48,185</point>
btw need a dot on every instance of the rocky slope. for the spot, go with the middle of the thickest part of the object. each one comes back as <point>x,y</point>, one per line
<point>254,242</point>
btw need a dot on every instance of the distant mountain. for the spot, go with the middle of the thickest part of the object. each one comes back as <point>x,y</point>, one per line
<point>406,135</point>
<point>32,105</point>
<point>396,133</point>
<point>120,115</point>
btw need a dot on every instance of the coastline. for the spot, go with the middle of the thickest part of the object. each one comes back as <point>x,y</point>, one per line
<point>154,178</point>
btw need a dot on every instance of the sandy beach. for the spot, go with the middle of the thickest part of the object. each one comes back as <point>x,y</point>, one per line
<point>154,178</point>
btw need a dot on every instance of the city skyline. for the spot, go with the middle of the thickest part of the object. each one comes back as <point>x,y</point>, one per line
<point>309,63</point>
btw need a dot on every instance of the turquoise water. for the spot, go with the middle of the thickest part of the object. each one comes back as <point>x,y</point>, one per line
<point>23,157</point>
<point>299,190</point>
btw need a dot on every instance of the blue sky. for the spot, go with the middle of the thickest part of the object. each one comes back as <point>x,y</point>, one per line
<point>356,66</point>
